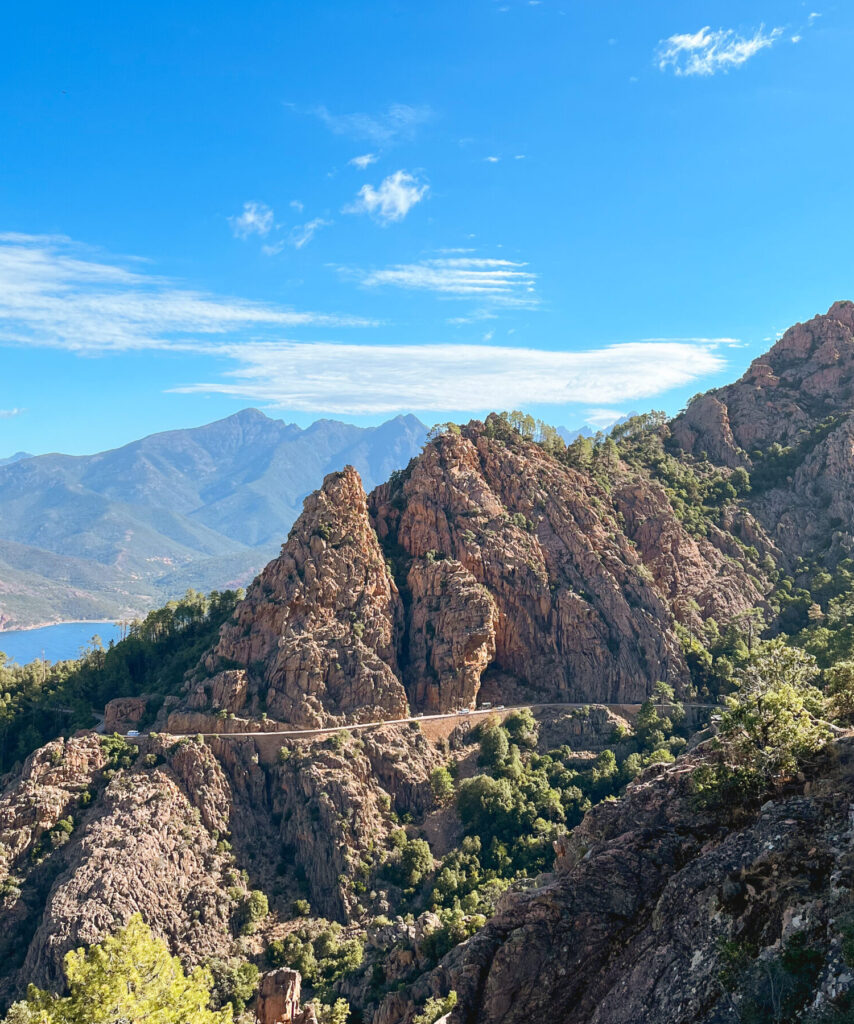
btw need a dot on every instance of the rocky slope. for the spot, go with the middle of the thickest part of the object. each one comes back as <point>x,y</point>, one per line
<point>488,569</point>
<point>91,834</point>
<point>688,893</point>
<point>798,397</point>
<point>486,559</point>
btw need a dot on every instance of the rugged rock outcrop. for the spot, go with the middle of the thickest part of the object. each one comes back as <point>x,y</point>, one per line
<point>336,799</point>
<point>278,999</point>
<point>633,926</point>
<point>796,397</point>
<point>87,840</point>
<point>318,631</point>
<point>699,577</point>
<point>452,626</point>
<point>578,615</point>
<point>226,691</point>
<point>486,559</point>
<point>89,845</point>
<point>124,713</point>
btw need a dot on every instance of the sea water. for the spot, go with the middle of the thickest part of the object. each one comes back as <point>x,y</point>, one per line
<point>60,642</point>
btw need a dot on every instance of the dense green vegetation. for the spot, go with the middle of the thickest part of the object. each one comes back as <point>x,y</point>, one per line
<point>39,702</point>
<point>130,977</point>
<point>512,811</point>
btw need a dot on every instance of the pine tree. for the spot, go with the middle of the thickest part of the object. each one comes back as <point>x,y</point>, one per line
<point>131,978</point>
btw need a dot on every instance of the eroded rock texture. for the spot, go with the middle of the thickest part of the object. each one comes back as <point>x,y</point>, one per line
<point>319,628</point>
<point>578,616</point>
<point>88,849</point>
<point>798,395</point>
<point>485,559</point>
<point>86,842</point>
<point>630,930</point>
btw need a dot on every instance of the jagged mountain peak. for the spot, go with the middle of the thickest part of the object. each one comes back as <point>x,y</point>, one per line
<point>487,567</point>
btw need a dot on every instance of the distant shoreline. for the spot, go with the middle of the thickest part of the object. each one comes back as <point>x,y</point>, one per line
<point>58,622</point>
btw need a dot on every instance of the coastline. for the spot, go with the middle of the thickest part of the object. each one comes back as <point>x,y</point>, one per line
<point>57,622</point>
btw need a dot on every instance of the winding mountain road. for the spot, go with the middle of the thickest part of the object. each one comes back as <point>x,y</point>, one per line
<point>462,715</point>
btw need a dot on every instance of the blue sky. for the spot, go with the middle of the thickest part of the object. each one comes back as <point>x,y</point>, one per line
<point>355,209</point>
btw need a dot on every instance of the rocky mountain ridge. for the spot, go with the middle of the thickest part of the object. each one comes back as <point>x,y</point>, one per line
<point>487,563</point>
<point>492,568</point>
<point>788,420</point>
<point>112,534</point>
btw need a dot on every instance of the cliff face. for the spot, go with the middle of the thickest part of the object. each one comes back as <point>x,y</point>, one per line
<point>486,559</point>
<point>86,841</point>
<point>320,627</point>
<point>84,849</point>
<point>798,395</point>
<point>577,616</point>
<point>650,897</point>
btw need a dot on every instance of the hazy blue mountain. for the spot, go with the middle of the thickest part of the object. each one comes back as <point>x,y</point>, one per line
<point>110,534</point>
<point>15,458</point>
<point>571,435</point>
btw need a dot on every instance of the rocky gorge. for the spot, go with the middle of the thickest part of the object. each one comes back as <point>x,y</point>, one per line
<point>571,863</point>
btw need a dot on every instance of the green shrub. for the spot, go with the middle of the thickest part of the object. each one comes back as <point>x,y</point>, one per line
<point>255,908</point>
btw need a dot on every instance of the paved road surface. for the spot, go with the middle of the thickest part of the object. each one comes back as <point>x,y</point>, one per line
<point>415,718</point>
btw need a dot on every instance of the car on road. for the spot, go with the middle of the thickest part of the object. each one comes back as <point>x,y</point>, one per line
<point>133,732</point>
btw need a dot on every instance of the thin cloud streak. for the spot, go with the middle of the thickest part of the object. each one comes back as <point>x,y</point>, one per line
<point>504,282</point>
<point>54,293</point>
<point>363,379</point>
<point>302,234</point>
<point>398,122</point>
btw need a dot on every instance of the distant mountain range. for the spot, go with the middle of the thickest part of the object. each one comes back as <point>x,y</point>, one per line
<point>572,435</point>
<point>111,535</point>
<point>15,458</point>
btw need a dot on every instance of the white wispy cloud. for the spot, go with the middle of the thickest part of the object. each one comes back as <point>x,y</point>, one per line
<point>302,234</point>
<point>398,122</point>
<point>56,293</point>
<point>502,282</point>
<point>7,414</point>
<point>730,342</point>
<point>708,51</point>
<point>362,379</point>
<point>391,200</point>
<point>256,219</point>
<point>476,316</point>
<point>492,159</point>
<point>363,161</point>
<point>602,417</point>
